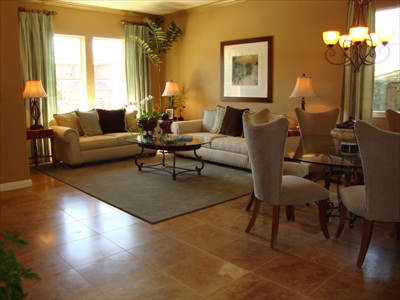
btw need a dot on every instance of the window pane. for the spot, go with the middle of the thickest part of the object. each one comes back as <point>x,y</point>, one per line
<point>387,75</point>
<point>69,73</point>
<point>109,73</point>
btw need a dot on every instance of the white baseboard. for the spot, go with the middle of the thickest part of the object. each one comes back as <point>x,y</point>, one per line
<point>15,185</point>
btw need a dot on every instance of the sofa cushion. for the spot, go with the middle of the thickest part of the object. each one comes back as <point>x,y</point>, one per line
<point>232,123</point>
<point>111,120</point>
<point>68,120</point>
<point>89,122</point>
<point>97,142</point>
<point>230,144</point>
<point>120,137</point>
<point>208,119</point>
<point>131,121</point>
<point>219,117</point>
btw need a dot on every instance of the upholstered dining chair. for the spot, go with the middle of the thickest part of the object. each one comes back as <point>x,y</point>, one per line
<point>266,144</point>
<point>392,120</point>
<point>320,123</point>
<point>316,124</point>
<point>379,198</point>
<point>289,168</point>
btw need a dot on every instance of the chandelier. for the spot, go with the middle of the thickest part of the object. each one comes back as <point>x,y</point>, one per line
<point>358,46</point>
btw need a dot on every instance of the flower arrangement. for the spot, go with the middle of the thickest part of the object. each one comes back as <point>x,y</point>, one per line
<point>153,113</point>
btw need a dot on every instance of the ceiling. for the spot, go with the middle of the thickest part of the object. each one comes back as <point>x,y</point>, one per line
<point>154,7</point>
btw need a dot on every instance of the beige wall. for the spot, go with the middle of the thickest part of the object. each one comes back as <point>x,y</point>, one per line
<point>296,27</point>
<point>14,168</point>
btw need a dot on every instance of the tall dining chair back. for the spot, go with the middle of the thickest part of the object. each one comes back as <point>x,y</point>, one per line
<point>379,198</point>
<point>320,123</point>
<point>392,120</point>
<point>266,144</point>
<point>316,124</point>
<point>289,168</point>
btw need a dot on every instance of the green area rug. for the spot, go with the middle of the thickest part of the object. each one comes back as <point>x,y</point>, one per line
<point>152,195</point>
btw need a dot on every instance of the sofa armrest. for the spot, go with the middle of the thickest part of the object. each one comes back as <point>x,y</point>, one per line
<point>67,145</point>
<point>183,127</point>
<point>65,134</point>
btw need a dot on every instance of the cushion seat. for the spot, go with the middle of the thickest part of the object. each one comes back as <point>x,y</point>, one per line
<point>96,142</point>
<point>230,144</point>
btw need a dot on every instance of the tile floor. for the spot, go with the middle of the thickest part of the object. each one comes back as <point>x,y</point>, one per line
<point>86,249</point>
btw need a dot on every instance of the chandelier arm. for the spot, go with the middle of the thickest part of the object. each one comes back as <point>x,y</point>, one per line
<point>330,52</point>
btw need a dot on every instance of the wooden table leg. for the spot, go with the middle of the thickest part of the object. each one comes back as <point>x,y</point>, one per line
<point>53,151</point>
<point>35,155</point>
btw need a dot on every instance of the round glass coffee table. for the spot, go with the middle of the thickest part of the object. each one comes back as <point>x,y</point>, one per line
<point>168,144</point>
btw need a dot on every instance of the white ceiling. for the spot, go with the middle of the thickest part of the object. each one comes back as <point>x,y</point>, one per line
<point>154,7</point>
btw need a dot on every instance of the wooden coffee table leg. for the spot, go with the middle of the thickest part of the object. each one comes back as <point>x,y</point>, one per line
<point>200,159</point>
<point>139,165</point>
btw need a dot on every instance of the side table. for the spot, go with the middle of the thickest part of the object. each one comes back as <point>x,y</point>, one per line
<point>34,134</point>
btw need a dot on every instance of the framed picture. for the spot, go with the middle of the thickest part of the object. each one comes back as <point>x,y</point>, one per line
<point>170,113</point>
<point>246,70</point>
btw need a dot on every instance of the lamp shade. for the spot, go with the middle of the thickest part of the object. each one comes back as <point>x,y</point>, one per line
<point>34,89</point>
<point>171,89</point>
<point>303,88</point>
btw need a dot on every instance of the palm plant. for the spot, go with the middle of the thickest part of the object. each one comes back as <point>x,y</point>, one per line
<point>11,272</point>
<point>158,44</point>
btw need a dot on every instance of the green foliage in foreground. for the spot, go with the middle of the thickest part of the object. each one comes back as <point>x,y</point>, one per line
<point>11,272</point>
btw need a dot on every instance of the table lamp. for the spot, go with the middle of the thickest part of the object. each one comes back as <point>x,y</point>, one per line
<point>171,90</point>
<point>303,88</point>
<point>34,90</point>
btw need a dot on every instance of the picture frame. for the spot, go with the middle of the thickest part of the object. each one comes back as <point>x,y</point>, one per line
<point>246,70</point>
<point>170,113</point>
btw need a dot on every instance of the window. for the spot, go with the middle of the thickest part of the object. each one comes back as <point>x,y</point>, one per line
<point>387,74</point>
<point>70,77</point>
<point>109,73</point>
<point>72,67</point>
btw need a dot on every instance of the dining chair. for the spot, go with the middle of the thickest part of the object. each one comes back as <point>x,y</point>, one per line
<point>379,198</point>
<point>316,124</point>
<point>392,120</point>
<point>289,168</point>
<point>266,144</point>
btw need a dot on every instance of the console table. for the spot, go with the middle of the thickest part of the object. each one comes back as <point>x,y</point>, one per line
<point>34,134</point>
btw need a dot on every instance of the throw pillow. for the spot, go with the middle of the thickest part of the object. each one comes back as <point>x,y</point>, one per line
<point>131,121</point>
<point>232,123</point>
<point>69,120</point>
<point>208,119</point>
<point>219,117</point>
<point>111,120</point>
<point>89,122</point>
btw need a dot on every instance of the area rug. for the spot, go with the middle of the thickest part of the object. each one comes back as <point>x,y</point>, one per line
<point>152,195</point>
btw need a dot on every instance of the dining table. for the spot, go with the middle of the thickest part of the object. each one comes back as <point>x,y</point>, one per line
<point>341,162</point>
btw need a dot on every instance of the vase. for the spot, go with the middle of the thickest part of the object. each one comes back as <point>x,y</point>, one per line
<point>148,125</point>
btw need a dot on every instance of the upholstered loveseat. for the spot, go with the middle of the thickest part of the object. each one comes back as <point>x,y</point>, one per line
<point>223,129</point>
<point>96,135</point>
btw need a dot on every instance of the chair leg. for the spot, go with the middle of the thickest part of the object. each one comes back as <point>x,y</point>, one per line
<point>251,200</point>
<point>343,217</point>
<point>366,238</point>
<point>322,205</point>
<point>290,215</point>
<point>254,215</point>
<point>275,224</point>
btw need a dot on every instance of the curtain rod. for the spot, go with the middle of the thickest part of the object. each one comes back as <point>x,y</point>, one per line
<point>126,22</point>
<point>38,11</point>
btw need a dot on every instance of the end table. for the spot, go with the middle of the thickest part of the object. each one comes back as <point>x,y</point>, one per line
<point>34,134</point>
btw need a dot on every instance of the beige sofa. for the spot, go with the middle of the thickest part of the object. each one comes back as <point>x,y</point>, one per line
<point>225,146</point>
<point>78,142</point>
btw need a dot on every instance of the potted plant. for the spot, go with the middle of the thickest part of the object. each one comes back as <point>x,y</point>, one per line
<point>11,272</point>
<point>159,43</point>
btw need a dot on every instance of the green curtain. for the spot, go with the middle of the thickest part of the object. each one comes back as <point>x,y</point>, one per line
<point>358,87</point>
<point>37,63</point>
<point>137,66</point>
